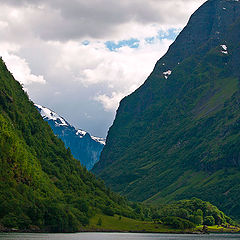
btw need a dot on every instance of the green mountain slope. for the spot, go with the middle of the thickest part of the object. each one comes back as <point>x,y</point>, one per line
<point>43,188</point>
<point>178,135</point>
<point>41,185</point>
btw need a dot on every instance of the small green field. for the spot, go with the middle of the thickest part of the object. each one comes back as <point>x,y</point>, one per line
<point>217,229</point>
<point>123,224</point>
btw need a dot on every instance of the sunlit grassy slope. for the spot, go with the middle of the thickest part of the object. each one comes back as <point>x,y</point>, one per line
<point>118,223</point>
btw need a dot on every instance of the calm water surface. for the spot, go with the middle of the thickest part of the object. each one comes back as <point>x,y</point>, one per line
<point>115,236</point>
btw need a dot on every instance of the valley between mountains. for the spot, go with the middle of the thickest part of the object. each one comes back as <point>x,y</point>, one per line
<point>171,160</point>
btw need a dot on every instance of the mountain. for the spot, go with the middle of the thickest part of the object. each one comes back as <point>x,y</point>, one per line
<point>178,135</point>
<point>42,187</point>
<point>85,148</point>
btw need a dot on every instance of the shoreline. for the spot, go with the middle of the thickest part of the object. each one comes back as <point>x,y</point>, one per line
<point>118,231</point>
<point>91,229</point>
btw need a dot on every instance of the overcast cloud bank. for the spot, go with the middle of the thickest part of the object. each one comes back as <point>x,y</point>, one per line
<point>57,49</point>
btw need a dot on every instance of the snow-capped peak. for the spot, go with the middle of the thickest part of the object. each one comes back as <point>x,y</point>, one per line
<point>51,115</point>
<point>98,139</point>
<point>80,133</point>
<point>48,115</point>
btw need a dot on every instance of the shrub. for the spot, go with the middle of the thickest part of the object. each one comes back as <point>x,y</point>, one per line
<point>178,223</point>
<point>99,223</point>
<point>108,211</point>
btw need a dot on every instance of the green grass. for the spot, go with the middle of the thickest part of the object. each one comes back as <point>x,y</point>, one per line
<point>114,223</point>
<point>189,180</point>
<point>217,229</point>
<point>193,181</point>
<point>224,89</point>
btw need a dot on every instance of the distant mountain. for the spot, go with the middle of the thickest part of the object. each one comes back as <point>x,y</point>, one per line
<point>178,135</point>
<point>84,147</point>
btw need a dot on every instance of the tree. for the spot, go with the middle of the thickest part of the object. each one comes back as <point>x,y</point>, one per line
<point>108,211</point>
<point>99,223</point>
<point>199,212</point>
<point>209,220</point>
<point>182,213</point>
<point>178,223</point>
<point>196,219</point>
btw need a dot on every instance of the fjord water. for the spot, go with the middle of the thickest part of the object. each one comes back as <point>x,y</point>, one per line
<point>116,236</point>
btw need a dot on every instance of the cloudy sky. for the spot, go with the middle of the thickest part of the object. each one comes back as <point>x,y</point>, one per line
<point>80,58</point>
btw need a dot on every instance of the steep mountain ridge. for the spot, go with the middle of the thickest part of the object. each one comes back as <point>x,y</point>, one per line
<point>84,147</point>
<point>177,136</point>
<point>42,187</point>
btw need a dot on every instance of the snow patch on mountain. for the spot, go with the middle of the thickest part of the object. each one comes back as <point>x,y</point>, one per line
<point>51,115</point>
<point>98,139</point>
<point>48,114</point>
<point>80,133</point>
<point>224,49</point>
<point>167,74</point>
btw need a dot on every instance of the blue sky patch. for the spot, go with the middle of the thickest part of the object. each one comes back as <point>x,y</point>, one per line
<point>150,40</point>
<point>113,46</point>
<point>85,42</point>
<point>171,34</point>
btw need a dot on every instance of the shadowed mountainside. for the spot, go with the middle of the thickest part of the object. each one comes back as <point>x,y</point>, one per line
<point>178,135</point>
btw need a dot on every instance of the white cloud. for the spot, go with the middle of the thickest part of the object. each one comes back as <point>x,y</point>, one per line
<point>120,72</point>
<point>112,102</point>
<point>3,25</point>
<point>41,43</point>
<point>21,71</point>
<point>68,20</point>
<point>19,66</point>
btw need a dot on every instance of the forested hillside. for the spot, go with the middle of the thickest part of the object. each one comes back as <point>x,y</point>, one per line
<point>42,187</point>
